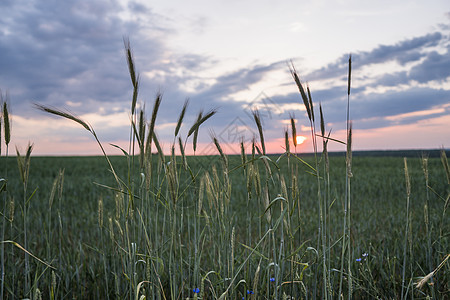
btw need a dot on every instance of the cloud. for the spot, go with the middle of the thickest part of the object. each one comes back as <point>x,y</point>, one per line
<point>55,51</point>
<point>138,8</point>
<point>380,106</point>
<point>434,67</point>
<point>402,52</point>
<point>394,79</point>
<point>407,51</point>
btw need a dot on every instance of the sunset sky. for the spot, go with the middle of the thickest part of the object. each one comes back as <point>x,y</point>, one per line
<point>232,56</point>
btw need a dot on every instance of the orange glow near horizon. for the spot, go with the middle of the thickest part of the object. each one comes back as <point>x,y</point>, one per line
<point>300,139</point>
<point>426,134</point>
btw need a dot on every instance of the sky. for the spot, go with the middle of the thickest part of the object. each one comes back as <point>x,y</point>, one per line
<point>233,56</point>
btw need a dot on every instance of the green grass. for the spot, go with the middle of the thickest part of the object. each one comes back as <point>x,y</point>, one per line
<point>160,226</point>
<point>79,249</point>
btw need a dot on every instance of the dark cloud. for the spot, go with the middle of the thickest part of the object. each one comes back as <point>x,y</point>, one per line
<point>403,52</point>
<point>393,79</point>
<point>138,8</point>
<point>399,102</point>
<point>434,67</point>
<point>374,110</point>
<point>56,51</point>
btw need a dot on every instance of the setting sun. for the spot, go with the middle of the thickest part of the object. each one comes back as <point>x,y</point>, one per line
<point>300,139</point>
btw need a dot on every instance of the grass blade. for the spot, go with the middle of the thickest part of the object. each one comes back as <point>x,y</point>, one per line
<point>310,103</point>
<point>151,127</point>
<point>63,114</point>
<point>294,130</point>
<point>349,74</point>
<point>257,118</point>
<point>6,123</point>
<point>302,90</point>
<point>200,120</point>
<point>181,117</point>
<point>132,71</point>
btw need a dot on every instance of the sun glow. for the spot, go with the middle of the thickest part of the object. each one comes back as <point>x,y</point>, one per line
<point>300,139</point>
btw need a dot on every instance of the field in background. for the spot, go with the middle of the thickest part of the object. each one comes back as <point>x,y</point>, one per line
<point>68,234</point>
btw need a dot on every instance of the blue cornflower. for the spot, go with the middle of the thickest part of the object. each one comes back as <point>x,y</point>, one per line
<point>250,292</point>
<point>196,290</point>
<point>358,259</point>
<point>272,279</point>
